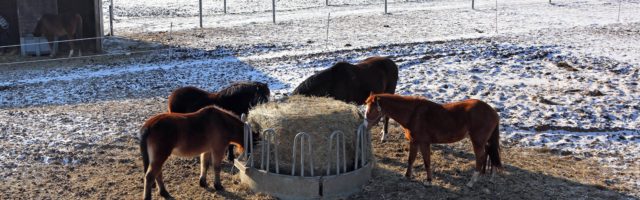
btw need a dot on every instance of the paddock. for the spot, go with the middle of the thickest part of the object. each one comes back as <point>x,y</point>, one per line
<point>562,77</point>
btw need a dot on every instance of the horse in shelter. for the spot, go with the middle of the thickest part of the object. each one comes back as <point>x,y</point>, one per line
<point>427,123</point>
<point>207,132</point>
<point>237,98</point>
<point>54,26</point>
<point>353,83</point>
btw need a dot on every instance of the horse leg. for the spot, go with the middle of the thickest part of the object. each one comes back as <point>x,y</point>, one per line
<point>157,159</point>
<point>217,167</point>
<point>72,44</point>
<point>230,153</point>
<point>52,45</point>
<point>385,129</point>
<point>481,158</point>
<point>413,151</point>
<point>205,162</point>
<point>163,191</point>
<point>425,150</point>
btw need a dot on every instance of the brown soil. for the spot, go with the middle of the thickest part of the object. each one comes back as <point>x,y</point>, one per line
<point>114,171</point>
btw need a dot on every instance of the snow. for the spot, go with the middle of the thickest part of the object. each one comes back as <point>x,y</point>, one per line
<point>445,52</point>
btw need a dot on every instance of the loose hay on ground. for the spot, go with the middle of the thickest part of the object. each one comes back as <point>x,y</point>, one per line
<point>317,116</point>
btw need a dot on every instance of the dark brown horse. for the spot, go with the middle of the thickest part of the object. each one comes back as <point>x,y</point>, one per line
<point>237,98</point>
<point>353,83</point>
<point>427,123</point>
<point>54,26</point>
<point>206,132</point>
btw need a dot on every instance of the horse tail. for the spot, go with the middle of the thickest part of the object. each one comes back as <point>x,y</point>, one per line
<point>144,133</point>
<point>392,72</point>
<point>493,150</point>
<point>38,32</point>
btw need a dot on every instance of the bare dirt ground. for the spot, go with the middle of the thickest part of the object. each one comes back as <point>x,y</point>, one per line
<point>112,169</point>
<point>88,149</point>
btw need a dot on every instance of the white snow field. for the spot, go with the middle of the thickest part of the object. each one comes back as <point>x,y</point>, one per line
<point>562,76</point>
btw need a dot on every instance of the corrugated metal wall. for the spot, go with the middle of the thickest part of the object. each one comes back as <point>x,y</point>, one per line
<point>29,11</point>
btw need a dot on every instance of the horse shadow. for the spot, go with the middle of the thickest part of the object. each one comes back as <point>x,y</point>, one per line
<point>450,181</point>
<point>130,69</point>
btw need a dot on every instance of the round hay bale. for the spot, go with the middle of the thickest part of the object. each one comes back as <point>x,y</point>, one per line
<point>317,116</point>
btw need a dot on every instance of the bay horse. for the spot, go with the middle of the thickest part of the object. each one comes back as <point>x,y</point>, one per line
<point>237,98</point>
<point>425,123</point>
<point>54,26</point>
<point>207,132</point>
<point>353,83</point>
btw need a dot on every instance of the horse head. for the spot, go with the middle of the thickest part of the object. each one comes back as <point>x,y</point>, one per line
<point>262,94</point>
<point>326,82</point>
<point>374,112</point>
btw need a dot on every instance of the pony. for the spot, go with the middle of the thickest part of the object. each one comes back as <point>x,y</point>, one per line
<point>53,26</point>
<point>353,83</point>
<point>207,132</point>
<point>237,98</point>
<point>425,123</point>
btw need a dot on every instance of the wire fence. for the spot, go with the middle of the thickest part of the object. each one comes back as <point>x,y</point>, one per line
<point>112,8</point>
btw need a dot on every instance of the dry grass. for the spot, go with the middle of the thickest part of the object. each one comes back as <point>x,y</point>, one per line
<point>317,116</point>
<point>115,172</point>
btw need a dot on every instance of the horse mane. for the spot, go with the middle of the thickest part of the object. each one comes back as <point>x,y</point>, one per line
<point>240,88</point>
<point>415,99</point>
<point>322,78</point>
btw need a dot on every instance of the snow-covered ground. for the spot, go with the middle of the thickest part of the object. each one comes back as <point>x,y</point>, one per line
<point>563,76</point>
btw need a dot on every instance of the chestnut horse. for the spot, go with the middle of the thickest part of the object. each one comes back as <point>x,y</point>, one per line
<point>353,83</point>
<point>54,26</point>
<point>237,98</point>
<point>207,132</point>
<point>427,123</point>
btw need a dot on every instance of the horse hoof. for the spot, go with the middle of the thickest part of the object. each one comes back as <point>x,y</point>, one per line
<point>218,187</point>
<point>166,195</point>
<point>203,183</point>
<point>407,175</point>
<point>470,185</point>
<point>427,183</point>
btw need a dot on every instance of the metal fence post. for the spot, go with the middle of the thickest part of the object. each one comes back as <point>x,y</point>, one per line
<point>496,16</point>
<point>619,8</point>
<point>200,6</point>
<point>273,10</point>
<point>224,6</point>
<point>473,4</point>
<point>385,7</point>
<point>111,18</point>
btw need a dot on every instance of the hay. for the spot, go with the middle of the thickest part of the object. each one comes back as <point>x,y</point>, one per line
<point>317,116</point>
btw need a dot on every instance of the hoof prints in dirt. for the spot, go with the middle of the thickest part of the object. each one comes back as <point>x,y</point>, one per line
<point>524,83</point>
